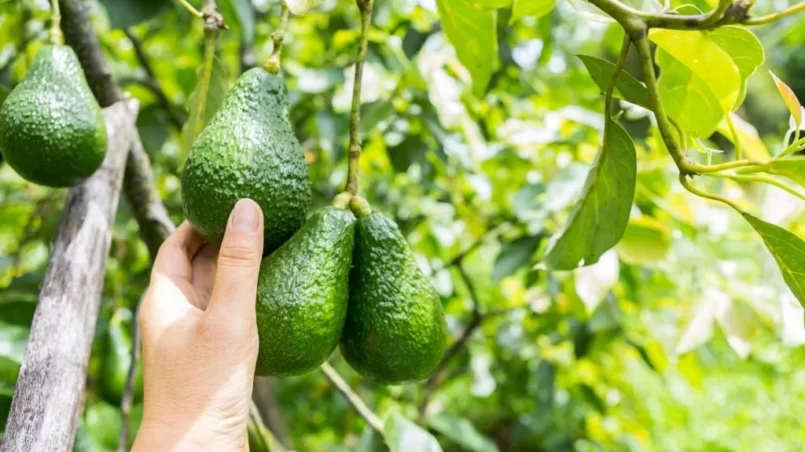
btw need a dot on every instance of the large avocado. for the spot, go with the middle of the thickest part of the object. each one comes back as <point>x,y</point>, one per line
<point>51,128</point>
<point>395,330</point>
<point>302,294</point>
<point>248,150</point>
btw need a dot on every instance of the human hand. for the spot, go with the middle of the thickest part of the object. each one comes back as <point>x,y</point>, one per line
<point>199,337</point>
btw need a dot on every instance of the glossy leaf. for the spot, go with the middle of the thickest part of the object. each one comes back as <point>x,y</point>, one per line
<point>239,15</point>
<point>403,435</point>
<point>789,98</point>
<point>789,252</point>
<point>461,431</point>
<point>599,219</point>
<point>473,32</point>
<point>126,13</point>
<point>627,87</point>
<point>752,145</point>
<point>745,50</point>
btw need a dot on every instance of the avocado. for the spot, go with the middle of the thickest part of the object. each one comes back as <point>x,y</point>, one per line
<point>248,150</point>
<point>395,330</point>
<point>51,128</point>
<point>302,294</point>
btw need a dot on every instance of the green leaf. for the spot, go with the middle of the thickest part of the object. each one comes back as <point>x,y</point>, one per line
<point>745,50</point>
<point>153,127</point>
<point>239,15</point>
<point>687,98</point>
<point>403,435</point>
<point>514,256</point>
<point>599,219</point>
<point>461,431</point>
<point>700,82</point>
<point>752,145</point>
<point>125,13</point>
<point>219,86</point>
<point>645,242</point>
<point>532,8</point>
<point>790,167</point>
<point>626,86</point>
<point>370,441</point>
<point>473,32</point>
<point>789,98</point>
<point>789,252</point>
<point>491,4</point>
<point>4,90</point>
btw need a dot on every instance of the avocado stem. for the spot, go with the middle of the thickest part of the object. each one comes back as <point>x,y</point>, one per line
<point>56,36</point>
<point>278,36</point>
<point>355,143</point>
<point>360,207</point>
<point>342,200</point>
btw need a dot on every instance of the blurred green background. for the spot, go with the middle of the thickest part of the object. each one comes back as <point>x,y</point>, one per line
<point>682,338</point>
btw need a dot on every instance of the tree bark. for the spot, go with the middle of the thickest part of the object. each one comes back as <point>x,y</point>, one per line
<point>47,401</point>
<point>140,190</point>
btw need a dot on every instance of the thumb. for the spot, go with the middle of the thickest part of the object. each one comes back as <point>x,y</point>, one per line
<point>235,288</point>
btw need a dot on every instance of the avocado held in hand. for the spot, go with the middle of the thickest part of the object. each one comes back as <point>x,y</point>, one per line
<point>248,150</point>
<point>302,295</point>
<point>395,330</point>
<point>51,128</point>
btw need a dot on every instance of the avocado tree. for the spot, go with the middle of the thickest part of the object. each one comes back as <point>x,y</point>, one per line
<point>606,196</point>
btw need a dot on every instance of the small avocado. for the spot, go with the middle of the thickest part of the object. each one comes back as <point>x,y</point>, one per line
<point>302,294</point>
<point>248,150</point>
<point>395,330</point>
<point>51,128</point>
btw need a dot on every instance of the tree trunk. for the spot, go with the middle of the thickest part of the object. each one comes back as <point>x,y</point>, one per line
<point>48,398</point>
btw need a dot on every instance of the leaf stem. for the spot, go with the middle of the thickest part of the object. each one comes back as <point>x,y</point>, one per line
<point>355,144</point>
<point>267,437</point>
<point>278,36</point>
<point>192,10</point>
<point>762,180</point>
<point>793,147</point>
<point>736,140</point>
<point>627,44</point>
<point>703,194</point>
<point>360,406</point>
<point>56,36</point>
<point>197,122</point>
<point>762,20</point>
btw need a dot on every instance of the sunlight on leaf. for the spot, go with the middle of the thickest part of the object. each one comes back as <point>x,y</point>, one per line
<point>645,242</point>
<point>745,50</point>
<point>790,167</point>
<point>599,219</point>
<point>751,144</point>
<point>789,98</point>
<point>531,8</point>
<point>473,33</point>
<point>299,7</point>
<point>789,252</point>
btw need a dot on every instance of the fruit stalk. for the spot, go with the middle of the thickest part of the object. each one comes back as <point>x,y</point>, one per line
<point>56,36</point>
<point>355,144</point>
<point>278,36</point>
<point>360,406</point>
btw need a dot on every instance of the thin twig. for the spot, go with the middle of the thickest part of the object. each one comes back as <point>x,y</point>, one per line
<point>266,436</point>
<point>355,143</point>
<point>762,20</point>
<point>56,36</point>
<point>277,37</point>
<point>763,180</point>
<point>627,44</point>
<point>190,8</point>
<point>703,194</point>
<point>127,399</point>
<point>360,406</point>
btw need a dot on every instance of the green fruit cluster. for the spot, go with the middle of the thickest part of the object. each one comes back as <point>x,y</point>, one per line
<point>345,275</point>
<point>51,128</point>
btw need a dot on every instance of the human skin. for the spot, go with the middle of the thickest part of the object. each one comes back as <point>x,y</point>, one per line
<point>199,337</point>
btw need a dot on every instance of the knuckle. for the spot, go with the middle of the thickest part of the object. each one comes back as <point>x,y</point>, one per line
<point>237,255</point>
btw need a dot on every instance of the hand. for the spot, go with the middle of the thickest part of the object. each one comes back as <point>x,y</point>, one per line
<point>200,338</point>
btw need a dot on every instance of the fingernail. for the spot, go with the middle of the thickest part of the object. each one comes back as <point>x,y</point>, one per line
<point>246,216</point>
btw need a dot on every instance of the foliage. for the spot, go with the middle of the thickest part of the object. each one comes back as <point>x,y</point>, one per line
<point>486,136</point>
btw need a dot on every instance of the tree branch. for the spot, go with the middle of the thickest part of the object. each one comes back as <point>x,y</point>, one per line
<point>47,401</point>
<point>354,399</point>
<point>152,82</point>
<point>277,37</point>
<point>762,20</point>
<point>139,187</point>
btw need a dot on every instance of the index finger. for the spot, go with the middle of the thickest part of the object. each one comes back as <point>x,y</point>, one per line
<point>175,256</point>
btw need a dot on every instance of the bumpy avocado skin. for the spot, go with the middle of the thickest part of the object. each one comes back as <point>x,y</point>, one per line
<point>395,330</point>
<point>248,150</point>
<point>51,127</point>
<point>302,295</point>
